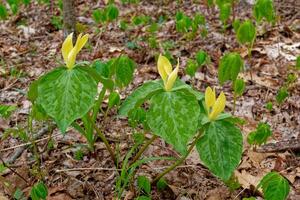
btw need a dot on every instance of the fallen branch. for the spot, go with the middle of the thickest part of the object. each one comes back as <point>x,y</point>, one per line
<point>22,147</point>
<point>292,144</point>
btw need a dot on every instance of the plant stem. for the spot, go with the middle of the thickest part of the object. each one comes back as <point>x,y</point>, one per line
<point>234,103</point>
<point>98,103</point>
<point>178,162</point>
<point>141,151</point>
<point>105,141</point>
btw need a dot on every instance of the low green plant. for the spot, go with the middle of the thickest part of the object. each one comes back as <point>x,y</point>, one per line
<point>108,14</point>
<point>39,191</point>
<point>264,9</point>
<point>282,94</point>
<point>189,26</point>
<point>6,110</point>
<point>201,58</point>
<point>298,63</point>
<point>260,135</point>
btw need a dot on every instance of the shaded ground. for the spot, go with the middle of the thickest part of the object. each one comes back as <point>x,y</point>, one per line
<point>30,46</point>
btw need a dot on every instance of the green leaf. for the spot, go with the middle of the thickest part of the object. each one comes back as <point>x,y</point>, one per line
<point>220,148</point>
<point>113,99</point>
<point>274,186</point>
<point>99,16</point>
<point>239,87</point>
<point>264,9</point>
<point>66,95</point>
<point>3,11</point>
<point>144,184</point>
<point>191,68</point>
<point>246,33</point>
<point>137,116</point>
<point>174,117</point>
<point>143,198</point>
<point>282,95</point>
<point>19,194</point>
<point>201,57</point>
<point>161,184</point>
<point>260,136</point>
<point>112,12</point>
<point>39,191</point>
<point>298,63</point>
<point>236,25</point>
<point>140,95</point>
<point>124,71</point>
<point>6,110</point>
<point>225,10</point>
<point>230,66</point>
<point>269,106</point>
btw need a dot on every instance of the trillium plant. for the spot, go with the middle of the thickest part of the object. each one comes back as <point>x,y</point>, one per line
<point>186,118</point>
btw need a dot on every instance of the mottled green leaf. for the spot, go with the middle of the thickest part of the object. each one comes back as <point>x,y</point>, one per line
<point>144,184</point>
<point>246,33</point>
<point>274,186</point>
<point>260,136</point>
<point>229,67</point>
<point>66,95</point>
<point>39,191</point>
<point>174,117</point>
<point>140,95</point>
<point>264,9</point>
<point>220,148</point>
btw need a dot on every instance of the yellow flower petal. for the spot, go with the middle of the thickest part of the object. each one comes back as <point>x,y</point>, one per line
<point>164,67</point>
<point>172,78</point>
<point>218,107</point>
<point>81,41</point>
<point>67,46</point>
<point>210,97</point>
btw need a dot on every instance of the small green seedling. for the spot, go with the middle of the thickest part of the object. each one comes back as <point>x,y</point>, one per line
<point>39,191</point>
<point>144,186</point>
<point>108,14</point>
<point>264,9</point>
<point>282,95</point>
<point>246,34</point>
<point>260,135</point>
<point>230,66</point>
<point>238,90</point>
<point>274,186</point>
<point>298,63</point>
<point>269,106</point>
<point>6,110</point>
<point>3,12</point>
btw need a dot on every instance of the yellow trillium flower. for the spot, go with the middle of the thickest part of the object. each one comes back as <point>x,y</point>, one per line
<point>215,107</point>
<point>165,71</point>
<point>69,51</point>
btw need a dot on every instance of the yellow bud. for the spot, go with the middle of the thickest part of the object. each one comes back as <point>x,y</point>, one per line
<point>210,97</point>
<point>172,78</point>
<point>218,107</point>
<point>164,67</point>
<point>67,46</point>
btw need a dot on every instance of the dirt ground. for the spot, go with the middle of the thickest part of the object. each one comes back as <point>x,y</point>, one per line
<point>30,46</point>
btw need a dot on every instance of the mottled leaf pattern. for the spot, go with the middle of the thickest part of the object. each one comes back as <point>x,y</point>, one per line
<point>274,186</point>
<point>220,148</point>
<point>66,95</point>
<point>174,117</point>
<point>140,95</point>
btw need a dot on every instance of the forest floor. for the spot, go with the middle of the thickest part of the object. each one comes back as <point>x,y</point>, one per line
<point>30,45</point>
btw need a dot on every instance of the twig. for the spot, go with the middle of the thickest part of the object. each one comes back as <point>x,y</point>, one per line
<point>87,168</point>
<point>14,171</point>
<point>21,148</point>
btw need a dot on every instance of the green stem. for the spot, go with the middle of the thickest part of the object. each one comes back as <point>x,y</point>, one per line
<point>178,162</point>
<point>105,141</point>
<point>98,103</point>
<point>234,103</point>
<point>141,151</point>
